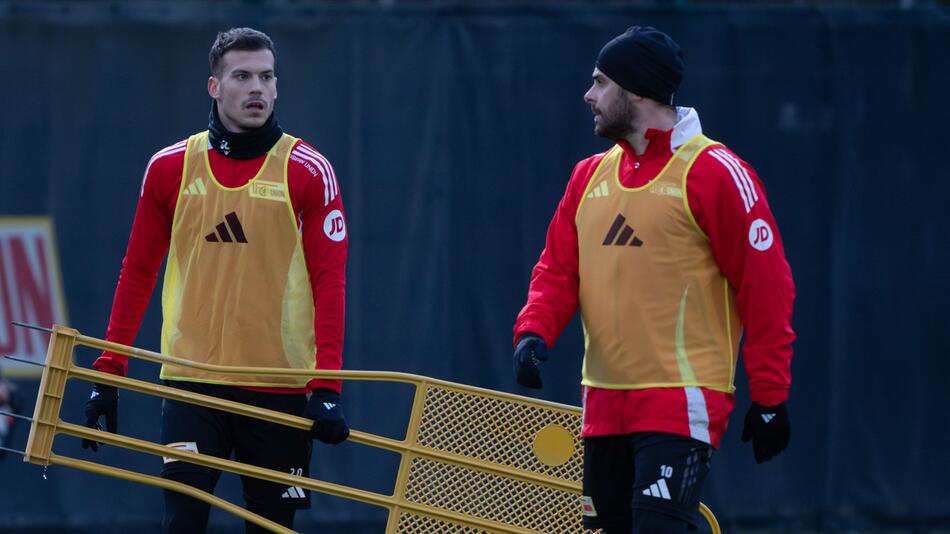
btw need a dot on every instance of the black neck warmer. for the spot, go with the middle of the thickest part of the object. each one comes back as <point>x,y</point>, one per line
<point>242,145</point>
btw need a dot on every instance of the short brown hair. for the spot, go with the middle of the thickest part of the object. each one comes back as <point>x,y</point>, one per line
<point>247,39</point>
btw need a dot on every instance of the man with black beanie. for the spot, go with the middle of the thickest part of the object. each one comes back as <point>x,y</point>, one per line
<point>667,245</point>
<point>252,221</point>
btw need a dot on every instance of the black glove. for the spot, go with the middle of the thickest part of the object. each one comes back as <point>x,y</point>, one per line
<point>769,429</point>
<point>104,400</point>
<point>530,350</point>
<point>328,423</point>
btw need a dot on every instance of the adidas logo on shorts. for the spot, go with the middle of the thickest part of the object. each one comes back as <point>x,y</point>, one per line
<point>658,489</point>
<point>293,492</point>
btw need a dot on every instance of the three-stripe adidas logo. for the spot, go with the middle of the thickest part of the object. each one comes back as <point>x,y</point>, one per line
<point>768,417</point>
<point>222,235</point>
<point>625,234</point>
<point>599,191</point>
<point>658,489</point>
<point>196,187</point>
<point>293,492</point>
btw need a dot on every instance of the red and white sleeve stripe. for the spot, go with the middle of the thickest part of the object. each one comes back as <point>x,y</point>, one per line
<point>727,199</point>
<point>177,148</point>
<point>331,188</point>
<point>740,176</point>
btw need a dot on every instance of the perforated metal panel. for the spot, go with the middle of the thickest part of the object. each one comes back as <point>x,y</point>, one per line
<point>412,524</point>
<point>470,459</point>
<point>504,499</point>
<point>496,430</point>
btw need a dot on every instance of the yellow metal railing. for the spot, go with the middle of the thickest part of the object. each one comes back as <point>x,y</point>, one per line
<point>472,460</point>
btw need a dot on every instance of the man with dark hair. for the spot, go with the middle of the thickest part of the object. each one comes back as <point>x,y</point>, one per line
<point>238,39</point>
<point>667,245</point>
<point>252,221</point>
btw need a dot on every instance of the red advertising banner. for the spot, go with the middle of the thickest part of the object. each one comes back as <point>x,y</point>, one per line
<point>31,291</point>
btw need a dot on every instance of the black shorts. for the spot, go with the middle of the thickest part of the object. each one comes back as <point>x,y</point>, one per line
<point>653,471</point>
<point>251,441</point>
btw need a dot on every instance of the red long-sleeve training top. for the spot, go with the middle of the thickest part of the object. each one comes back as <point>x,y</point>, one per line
<point>726,198</point>
<point>314,192</point>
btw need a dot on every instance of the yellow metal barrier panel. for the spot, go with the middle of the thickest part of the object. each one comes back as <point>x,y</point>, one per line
<point>472,460</point>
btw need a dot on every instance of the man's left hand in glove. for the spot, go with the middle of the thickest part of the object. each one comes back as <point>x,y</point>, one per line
<point>769,429</point>
<point>329,426</point>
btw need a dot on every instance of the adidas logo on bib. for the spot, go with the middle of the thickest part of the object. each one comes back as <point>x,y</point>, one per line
<point>626,233</point>
<point>222,235</point>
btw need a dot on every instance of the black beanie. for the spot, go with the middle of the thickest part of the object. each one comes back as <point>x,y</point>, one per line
<point>644,61</point>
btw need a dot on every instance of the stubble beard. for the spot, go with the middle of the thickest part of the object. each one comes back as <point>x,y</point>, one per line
<point>618,123</point>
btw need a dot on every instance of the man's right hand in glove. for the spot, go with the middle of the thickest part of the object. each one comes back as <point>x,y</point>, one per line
<point>104,401</point>
<point>529,351</point>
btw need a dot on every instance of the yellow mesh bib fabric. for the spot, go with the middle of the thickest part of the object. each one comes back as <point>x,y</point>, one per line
<point>656,310</point>
<point>236,289</point>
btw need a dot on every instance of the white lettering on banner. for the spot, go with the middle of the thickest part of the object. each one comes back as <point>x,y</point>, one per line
<point>30,290</point>
<point>760,235</point>
<point>334,226</point>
